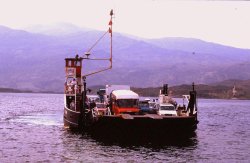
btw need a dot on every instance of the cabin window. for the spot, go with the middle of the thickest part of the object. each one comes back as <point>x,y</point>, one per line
<point>69,100</point>
<point>127,103</point>
<point>69,80</point>
<point>69,64</point>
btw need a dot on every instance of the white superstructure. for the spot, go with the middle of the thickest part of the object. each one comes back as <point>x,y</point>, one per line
<point>125,94</point>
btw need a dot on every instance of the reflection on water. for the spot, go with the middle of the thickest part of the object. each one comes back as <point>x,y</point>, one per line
<point>157,141</point>
<point>31,129</point>
<point>126,150</point>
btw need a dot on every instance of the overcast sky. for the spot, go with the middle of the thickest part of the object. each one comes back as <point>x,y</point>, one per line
<point>225,22</point>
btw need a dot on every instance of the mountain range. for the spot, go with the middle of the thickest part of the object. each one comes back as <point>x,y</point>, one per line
<point>33,59</point>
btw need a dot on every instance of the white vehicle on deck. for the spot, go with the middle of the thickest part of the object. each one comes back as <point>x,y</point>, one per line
<point>166,109</point>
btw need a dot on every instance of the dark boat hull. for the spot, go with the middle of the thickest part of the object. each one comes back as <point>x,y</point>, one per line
<point>143,125</point>
<point>125,124</point>
<point>71,119</point>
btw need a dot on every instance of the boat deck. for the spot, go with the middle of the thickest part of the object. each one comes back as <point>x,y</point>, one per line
<point>146,116</point>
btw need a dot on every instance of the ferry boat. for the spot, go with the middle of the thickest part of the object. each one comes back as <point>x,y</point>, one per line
<point>121,114</point>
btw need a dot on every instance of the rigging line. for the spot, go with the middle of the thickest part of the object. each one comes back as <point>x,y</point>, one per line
<point>97,71</point>
<point>99,59</point>
<point>97,41</point>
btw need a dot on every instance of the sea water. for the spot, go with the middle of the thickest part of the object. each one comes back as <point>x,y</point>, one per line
<point>31,130</point>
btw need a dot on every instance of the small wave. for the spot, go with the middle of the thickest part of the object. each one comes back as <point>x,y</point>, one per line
<point>40,119</point>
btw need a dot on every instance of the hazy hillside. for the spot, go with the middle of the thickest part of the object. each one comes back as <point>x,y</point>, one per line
<point>197,47</point>
<point>222,90</point>
<point>56,29</point>
<point>35,61</point>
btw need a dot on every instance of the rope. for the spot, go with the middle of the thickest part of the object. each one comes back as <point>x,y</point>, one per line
<point>97,41</point>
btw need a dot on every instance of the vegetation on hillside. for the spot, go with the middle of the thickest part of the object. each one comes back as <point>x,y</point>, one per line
<point>222,90</point>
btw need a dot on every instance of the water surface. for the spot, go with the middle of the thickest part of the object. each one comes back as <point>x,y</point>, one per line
<point>31,129</point>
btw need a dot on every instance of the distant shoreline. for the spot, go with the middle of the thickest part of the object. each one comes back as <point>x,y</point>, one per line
<point>12,90</point>
<point>222,90</point>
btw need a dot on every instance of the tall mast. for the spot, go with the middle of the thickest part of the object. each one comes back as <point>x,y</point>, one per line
<point>111,49</point>
<point>82,119</point>
<point>111,37</point>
